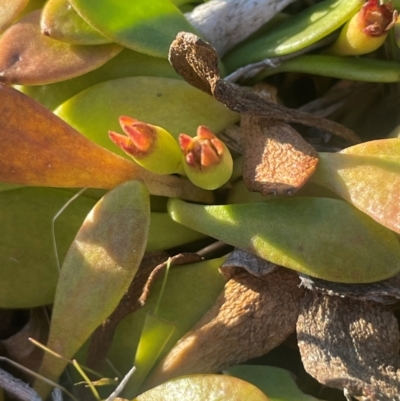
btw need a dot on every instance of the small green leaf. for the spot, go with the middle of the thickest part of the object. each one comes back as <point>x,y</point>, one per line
<point>295,33</point>
<point>147,27</point>
<point>368,176</point>
<point>61,22</point>
<point>352,68</point>
<point>25,55</point>
<point>169,103</point>
<point>321,237</point>
<point>204,387</point>
<point>97,270</point>
<point>277,383</point>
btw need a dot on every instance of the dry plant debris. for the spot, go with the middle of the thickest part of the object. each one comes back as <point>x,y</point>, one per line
<point>276,158</point>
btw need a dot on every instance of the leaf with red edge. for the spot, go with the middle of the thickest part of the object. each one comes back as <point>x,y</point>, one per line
<point>368,176</point>
<point>204,387</point>
<point>29,58</point>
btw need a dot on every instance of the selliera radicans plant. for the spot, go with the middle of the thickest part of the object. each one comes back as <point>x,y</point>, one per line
<point>191,185</point>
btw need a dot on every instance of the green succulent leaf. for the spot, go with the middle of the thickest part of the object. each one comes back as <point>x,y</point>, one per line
<point>100,265</point>
<point>368,176</point>
<point>166,233</point>
<point>61,22</point>
<point>147,27</point>
<point>277,383</point>
<point>204,387</point>
<point>295,33</point>
<point>169,103</point>
<point>128,63</point>
<point>28,263</point>
<point>352,68</point>
<point>25,55</point>
<point>321,237</point>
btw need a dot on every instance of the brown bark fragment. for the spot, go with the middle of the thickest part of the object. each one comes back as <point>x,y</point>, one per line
<point>252,316</point>
<point>276,159</point>
<point>351,345</point>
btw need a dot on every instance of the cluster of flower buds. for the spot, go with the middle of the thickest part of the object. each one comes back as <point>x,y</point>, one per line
<point>204,159</point>
<point>365,31</point>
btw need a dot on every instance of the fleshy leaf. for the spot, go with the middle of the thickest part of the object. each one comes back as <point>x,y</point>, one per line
<point>184,301</point>
<point>204,387</point>
<point>168,103</point>
<point>30,58</point>
<point>61,22</point>
<point>135,25</point>
<point>295,33</point>
<point>321,237</point>
<point>128,63</point>
<point>368,176</point>
<point>97,270</point>
<point>9,10</point>
<point>276,382</point>
<point>28,264</point>
<point>161,228</point>
<point>27,129</point>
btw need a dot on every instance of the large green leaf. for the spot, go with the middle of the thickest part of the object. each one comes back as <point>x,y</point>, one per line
<point>276,382</point>
<point>128,63</point>
<point>295,33</point>
<point>30,58</point>
<point>97,270</point>
<point>28,263</point>
<point>170,103</point>
<point>61,22</point>
<point>204,387</point>
<point>368,176</point>
<point>321,237</point>
<point>145,26</point>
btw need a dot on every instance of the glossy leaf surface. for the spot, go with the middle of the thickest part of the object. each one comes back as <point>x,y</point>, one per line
<point>169,103</point>
<point>9,10</point>
<point>189,292</point>
<point>60,21</point>
<point>321,237</point>
<point>128,63</point>
<point>28,264</point>
<point>368,176</point>
<point>204,387</point>
<point>295,33</point>
<point>147,27</point>
<point>356,69</point>
<point>97,270</point>
<point>30,58</point>
<point>276,382</point>
<point>166,233</point>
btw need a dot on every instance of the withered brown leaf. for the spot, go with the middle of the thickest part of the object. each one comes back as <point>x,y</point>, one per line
<point>351,345</point>
<point>276,158</point>
<point>252,316</point>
